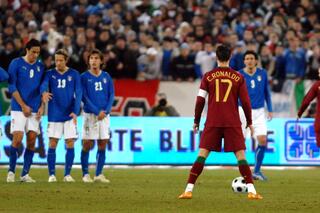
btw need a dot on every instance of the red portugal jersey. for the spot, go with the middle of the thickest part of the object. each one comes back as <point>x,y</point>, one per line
<point>224,87</point>
<point>314,92</point>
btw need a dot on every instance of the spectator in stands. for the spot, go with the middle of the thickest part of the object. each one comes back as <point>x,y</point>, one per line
<point>127,66</point>
<point>162,108</point>
<point>295,60</point>
<point>167,50</point>
<point>205,60</point>
<point>149,65</point>
<point>183,66</point>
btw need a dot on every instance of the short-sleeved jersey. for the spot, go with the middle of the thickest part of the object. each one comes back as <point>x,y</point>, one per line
<point>224,87</point>
<point>258,88</point>
<point>97,93</point>
<point>26,79</point>
<point>66,94</point>
<point>313,93</point>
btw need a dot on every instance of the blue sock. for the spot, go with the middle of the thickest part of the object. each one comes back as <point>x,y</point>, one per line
<point>84,162</point>
<point>69,161</point>
<point>28,156</point>
<point>259,158</point>
<point>101,157</point>
<point>51,159</point>
<point>13,159</point>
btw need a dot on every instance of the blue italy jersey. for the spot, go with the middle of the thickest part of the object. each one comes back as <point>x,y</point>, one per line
<point>3,77</point>
<point>98,92</point>
<point>26,79</point>
<point>66,94</point>
<point>258,88</point>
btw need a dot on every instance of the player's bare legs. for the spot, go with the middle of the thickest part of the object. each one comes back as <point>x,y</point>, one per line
<point>16,143</point>
<point>28,156</point>
<point>246,174</point>
<point>69,160</point>
<point>86,147</point>
<point>195,172</point>
<point>260,150</point>
<point>101,157</point>
<point>51,159</point>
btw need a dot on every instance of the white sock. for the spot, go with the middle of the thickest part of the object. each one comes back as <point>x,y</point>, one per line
<point>251,188</point>
<point>189,187</point>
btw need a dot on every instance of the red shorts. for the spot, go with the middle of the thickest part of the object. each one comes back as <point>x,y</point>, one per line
<point>211,139</point>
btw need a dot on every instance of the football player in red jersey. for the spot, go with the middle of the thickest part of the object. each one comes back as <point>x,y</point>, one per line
<point>224,87</point>
<point>314,92</point>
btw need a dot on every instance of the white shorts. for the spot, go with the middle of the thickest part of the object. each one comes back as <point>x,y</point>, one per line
<point>258,121</point>
<point>21,123</point>
<point>93,129</point>
<point>58,129</point>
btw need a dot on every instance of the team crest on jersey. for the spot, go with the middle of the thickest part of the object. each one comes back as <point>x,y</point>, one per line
<point>23,67</point>
<point>259,78</point>
<point>38,68</point>
<point>104,80</point>
<point>69,78</point>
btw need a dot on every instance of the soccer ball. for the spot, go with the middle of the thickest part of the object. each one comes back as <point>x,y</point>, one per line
<point>239,185</point>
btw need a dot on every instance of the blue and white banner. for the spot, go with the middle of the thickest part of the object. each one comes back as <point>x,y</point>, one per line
<point>168,140</point>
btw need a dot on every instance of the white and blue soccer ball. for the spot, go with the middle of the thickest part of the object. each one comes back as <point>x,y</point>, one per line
<point>239,185</point>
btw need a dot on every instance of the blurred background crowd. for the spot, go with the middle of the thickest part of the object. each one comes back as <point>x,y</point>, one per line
<point>171,40</point>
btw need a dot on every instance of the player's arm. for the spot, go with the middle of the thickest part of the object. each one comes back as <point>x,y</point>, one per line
<point>78,94</point>
<point>110,95</point>
<point>267,96</point>
<point>245,101</point>
<point>200,102</point>
<point>14,91</point>
<point>3,75</point>
<point>44,88</point>
<point>86,99</point>
<point>312,93</point>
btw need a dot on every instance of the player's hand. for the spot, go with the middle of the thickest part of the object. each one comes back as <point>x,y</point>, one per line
<point>46,97</point>
<point>26,110</point>
<point>270,116</point>
<point>102,115</point>
<point>251,130</point>
<point>40,112</point>
<point>195,128</point>
<point>74,117</point>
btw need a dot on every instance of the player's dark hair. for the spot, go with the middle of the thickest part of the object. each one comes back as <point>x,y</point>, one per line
<point>62,52</point>
<point>98,52</point>
<point>32,43</point>
<point>223,53</point>
<point>250,52</point>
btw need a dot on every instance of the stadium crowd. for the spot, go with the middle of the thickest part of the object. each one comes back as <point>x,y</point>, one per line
<point>167,39</point>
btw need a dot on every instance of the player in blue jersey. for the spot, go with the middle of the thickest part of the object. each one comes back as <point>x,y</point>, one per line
<point>62,89</point>
<point>3,77</point>
<point>25,76</point>
<point>259,93</point>
<point>98,95</point>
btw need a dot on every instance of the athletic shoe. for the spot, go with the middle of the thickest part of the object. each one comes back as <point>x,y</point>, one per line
<point>52,179</point>
<point>69,179</point>
<point>259,176</point>
<point>185,195</point>
<point>10,177</point>
<point>101,179</point>
<point>27,179</point>
<point>87,179</point>
<point>252,196</point>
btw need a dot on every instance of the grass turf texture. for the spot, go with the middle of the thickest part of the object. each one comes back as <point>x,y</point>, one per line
<point>156,190</point>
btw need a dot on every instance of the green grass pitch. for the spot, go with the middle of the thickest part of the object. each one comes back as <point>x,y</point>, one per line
<point>156,190</point>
